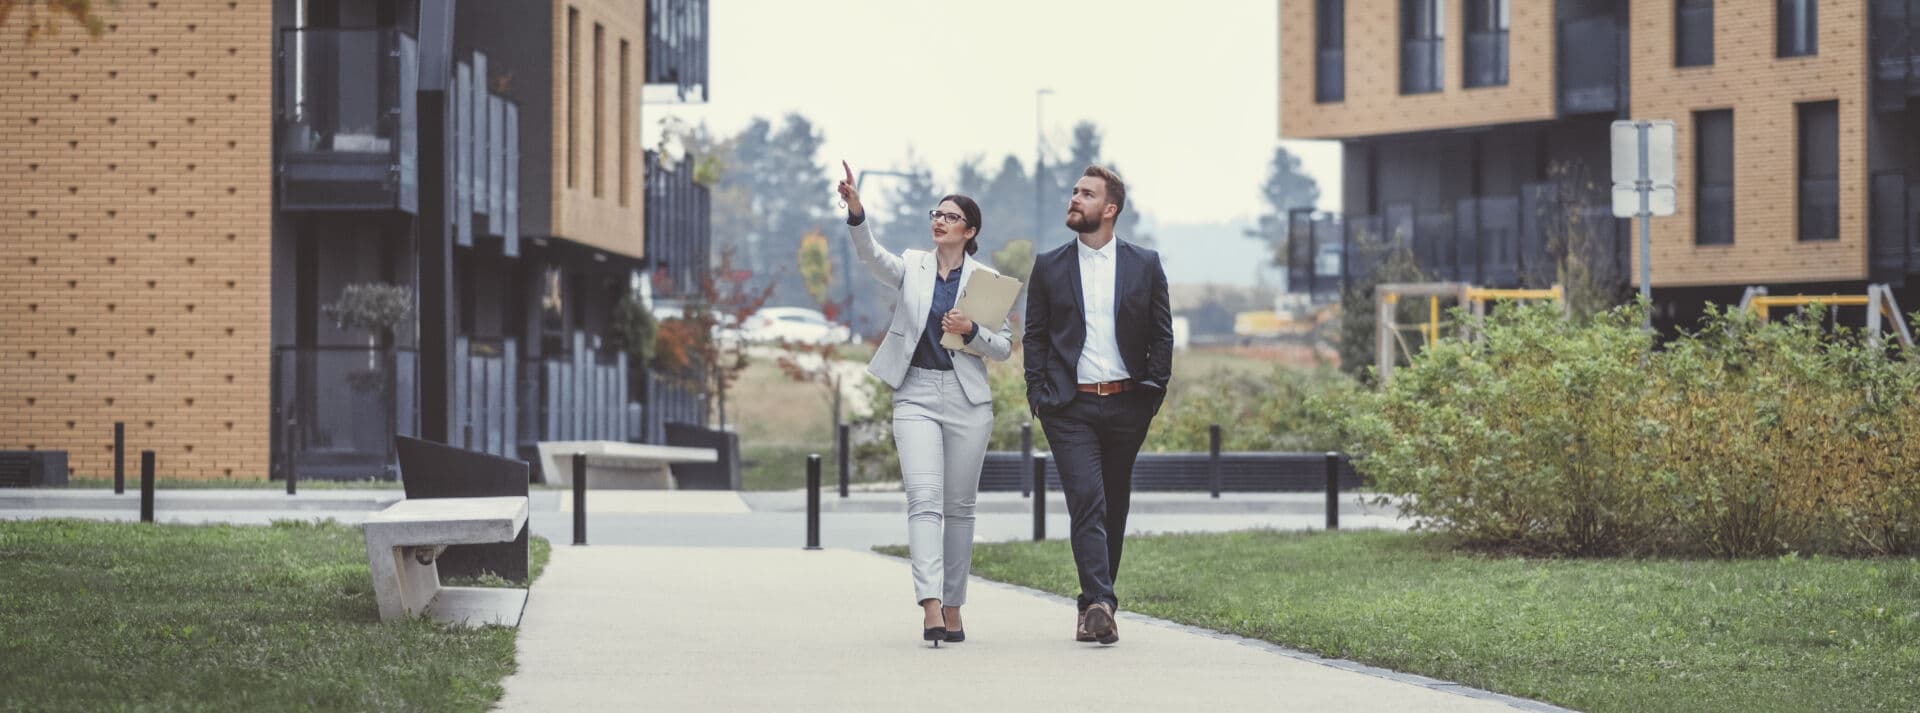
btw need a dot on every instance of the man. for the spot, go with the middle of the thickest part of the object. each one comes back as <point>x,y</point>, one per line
<point>1099,353</point>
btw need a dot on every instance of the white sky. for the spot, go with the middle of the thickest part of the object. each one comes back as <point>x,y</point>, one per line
<point>1186,98</point>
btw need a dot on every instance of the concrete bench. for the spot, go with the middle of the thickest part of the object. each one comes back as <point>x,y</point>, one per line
<point>404,539</point>
<point>618,465</point>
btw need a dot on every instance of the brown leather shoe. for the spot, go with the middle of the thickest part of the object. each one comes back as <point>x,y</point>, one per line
<point>1080,632</point>
<point>1100,623</point>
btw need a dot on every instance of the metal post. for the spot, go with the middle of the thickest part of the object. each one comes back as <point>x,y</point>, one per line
<point>293,472</point>
<point>579,498</point>
<point>813,501</point>
<point>119,458</point>
<point>1213,459</point>
<point>1333,490</point>
<point>846,474</point>
<point>1026,456</point>
<point>1039,498</point>
<point>1645,184</point>
<point>146,486</point>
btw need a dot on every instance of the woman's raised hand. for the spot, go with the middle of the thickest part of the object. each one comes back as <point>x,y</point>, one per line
<point>849,196</point>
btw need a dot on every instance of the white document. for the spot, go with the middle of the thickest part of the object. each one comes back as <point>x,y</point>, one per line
<point>986,299</point>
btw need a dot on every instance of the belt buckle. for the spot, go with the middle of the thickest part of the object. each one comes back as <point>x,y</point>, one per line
<point>1101,388</point>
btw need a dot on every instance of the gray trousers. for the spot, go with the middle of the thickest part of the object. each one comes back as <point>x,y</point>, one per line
<point>942,439</point>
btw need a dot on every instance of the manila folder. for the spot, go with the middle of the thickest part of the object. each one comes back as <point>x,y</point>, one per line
<point>987,299</point>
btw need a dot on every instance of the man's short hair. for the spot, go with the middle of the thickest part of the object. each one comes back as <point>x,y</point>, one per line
<point>1116,188</point>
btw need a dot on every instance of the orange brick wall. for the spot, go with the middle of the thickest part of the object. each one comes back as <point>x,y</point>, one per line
<point>578,214</point>
<point>1762,91</point>
<point>1374,104</point>
<point>134,248</point>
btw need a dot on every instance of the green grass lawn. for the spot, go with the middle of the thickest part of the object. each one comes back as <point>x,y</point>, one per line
<point>121,616</point>
<point>1788,634</point>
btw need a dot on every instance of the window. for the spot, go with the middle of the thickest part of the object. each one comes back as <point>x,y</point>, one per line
<point>1819,168</point>
<point>1693,33</point>
<point>626,122</point>
<point>1713,177</point>
<point>1329,40</point>
<point>1486,46</point>
<point>1798,24</point>
<point>599,107</point>
<point>573,92</point>
<point>1420,46</point>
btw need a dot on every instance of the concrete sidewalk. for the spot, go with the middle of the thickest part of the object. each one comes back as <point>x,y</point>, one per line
<point>738,629</point>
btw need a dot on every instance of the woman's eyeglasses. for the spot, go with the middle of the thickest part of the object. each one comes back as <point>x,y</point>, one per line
<point>945,218</point>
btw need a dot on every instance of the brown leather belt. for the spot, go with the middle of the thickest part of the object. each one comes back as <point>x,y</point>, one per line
<point>1106,388</point>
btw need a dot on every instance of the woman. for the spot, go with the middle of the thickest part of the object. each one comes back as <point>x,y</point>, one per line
<point>942,407</point>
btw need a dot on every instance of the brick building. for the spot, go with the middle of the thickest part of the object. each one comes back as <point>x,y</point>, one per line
<point>1796,128</point>
<point>188,191</point>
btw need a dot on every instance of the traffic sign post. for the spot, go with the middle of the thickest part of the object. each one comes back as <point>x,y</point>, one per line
<point>1643,186</point>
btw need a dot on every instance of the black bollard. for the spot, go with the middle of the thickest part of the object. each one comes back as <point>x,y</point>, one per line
<point>1213,459</point>
<point>1026,456</point>
<point>1039,498</point>
<point>1333,490</point>
<point>846,473</point>
<point>146,486</point>
<point>579,498</point>
<point>293,473</point>
<point>119,458</point>
<point>813,501</point>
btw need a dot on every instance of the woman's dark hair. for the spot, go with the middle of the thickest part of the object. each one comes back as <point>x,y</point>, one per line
<point>971,210</point>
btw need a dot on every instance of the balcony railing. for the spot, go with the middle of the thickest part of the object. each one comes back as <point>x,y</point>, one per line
<point>345,120</point>
<point>1589,68</point>
<point>1713,217</point>
<point>677,45</point>
<point>1819,209</point>
<point>1896,53</point>
<point>678,228</point>
<point>1486,64</point>
<point>1891,242</point>
<point>1330,75</point>
<point>1421,65</point>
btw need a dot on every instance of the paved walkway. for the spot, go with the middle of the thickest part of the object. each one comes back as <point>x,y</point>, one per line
<point>749,629</point>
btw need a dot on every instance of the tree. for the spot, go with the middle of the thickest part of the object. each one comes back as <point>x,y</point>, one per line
<point>1286,189</point>
<point>46,21</point>
<point>686,348</point>
<point>379,309</point>
<point>816,271</point>
<point>771,192</point>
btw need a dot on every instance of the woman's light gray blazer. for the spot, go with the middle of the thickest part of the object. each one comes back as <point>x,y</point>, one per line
<point>911,274</point>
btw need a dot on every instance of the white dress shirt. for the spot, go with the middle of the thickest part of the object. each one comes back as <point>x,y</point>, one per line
<point>1100,357</point>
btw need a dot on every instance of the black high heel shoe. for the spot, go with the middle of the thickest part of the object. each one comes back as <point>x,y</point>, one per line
<point>935,634</point>
<point>955,636</point>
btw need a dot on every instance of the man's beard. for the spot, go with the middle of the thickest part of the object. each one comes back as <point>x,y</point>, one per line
<point>1086,225</point>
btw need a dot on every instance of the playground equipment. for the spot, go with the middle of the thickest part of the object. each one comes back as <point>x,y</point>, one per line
<point>1388,332</point>
<point>1878,300</point>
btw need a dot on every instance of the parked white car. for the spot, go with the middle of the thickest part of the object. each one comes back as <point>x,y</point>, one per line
<point>793,324</point>
<point>725,333</point>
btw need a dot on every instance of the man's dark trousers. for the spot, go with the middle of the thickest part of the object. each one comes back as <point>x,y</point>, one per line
<point>1094,441</point>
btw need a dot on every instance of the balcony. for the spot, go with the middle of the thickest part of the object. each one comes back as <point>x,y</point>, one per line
<point>486,158</point>
<point>1421,65</point>
<point>1896,53</point>
<point>1330,75</point>
<point>679,230</point>
<point>345,121</point>
<point>1894,232</point>
<point>1486,61</point>
<point>1589,65</point>
<point>677,45</point>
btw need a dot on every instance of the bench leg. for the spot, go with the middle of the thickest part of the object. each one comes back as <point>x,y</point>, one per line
<point>402,586</point>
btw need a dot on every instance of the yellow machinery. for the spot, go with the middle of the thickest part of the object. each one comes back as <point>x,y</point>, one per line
<point>1475,299</point>
<point>1878,300</point>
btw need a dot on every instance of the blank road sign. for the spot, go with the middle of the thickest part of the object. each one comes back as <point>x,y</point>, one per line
<point>1626,152</point>
<point>1626,201</point>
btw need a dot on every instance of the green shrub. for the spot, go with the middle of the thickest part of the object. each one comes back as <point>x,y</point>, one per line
<point>1746,438</point>
<point>1291,409</point>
